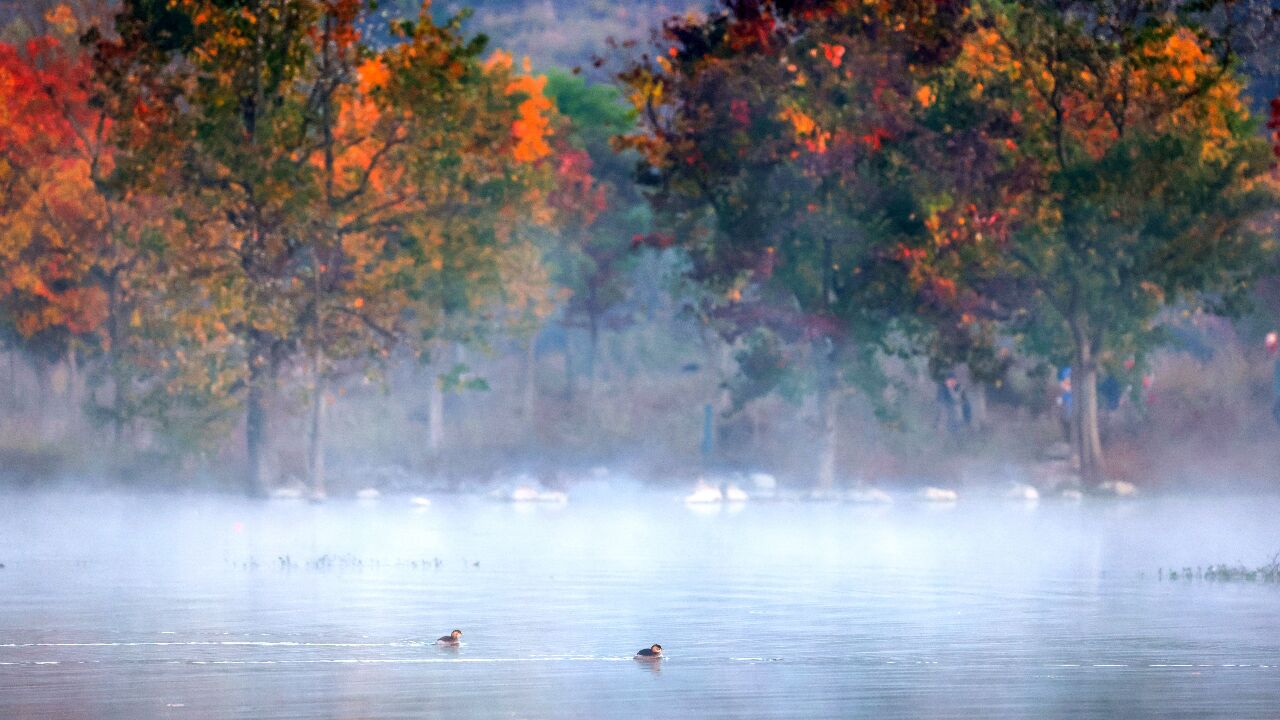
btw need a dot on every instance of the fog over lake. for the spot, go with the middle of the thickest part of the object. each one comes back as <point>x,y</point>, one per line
<point>216,607</point>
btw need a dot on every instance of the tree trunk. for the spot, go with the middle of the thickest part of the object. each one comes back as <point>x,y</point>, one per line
<point>435,414</point>
<point>13,377</point>
<point>828,397</point>
<point>73,378</point>
<point>1084,400</point>
<point>315,459</point>
<point>530,400</point>
<point>593,343</point>
<point>119,389</point>
<point>828,402</point>
<point>315,454</point>
<point>978,405</point>
<point>51,382</point>
<point>255,426</point>
<point>708,446</point>
<point>568,365</point>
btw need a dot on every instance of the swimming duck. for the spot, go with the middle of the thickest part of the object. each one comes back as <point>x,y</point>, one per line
<point>451,639</point>
<point>650,653</point>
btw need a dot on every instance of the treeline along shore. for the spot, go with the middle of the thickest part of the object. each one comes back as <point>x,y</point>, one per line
<point>330,243</point>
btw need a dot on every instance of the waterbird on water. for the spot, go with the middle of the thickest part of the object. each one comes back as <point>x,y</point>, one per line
<point>451,639</point>
<point>652,652</point>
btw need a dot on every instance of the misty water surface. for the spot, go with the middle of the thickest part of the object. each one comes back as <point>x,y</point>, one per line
<point>139,607</point>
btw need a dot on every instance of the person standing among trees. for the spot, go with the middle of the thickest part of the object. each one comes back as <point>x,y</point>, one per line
<point>1064,402</point>
<point>950,410</point>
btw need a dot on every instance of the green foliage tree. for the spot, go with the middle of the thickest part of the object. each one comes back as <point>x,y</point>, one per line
<point>599,210</point>
<point>232,124</point>
<point>1127,170</point>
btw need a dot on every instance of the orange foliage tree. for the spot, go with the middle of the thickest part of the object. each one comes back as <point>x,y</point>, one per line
<point>336,199</point>
<point>75,248</point>
<point>432,164</point>
<point>52,217</point>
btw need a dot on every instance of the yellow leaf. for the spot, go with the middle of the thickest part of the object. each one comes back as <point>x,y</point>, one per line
<point>802,123</point>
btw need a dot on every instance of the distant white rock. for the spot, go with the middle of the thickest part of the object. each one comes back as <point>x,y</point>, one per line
<point>553,496</point>
<point>1119,488</point>
<point>763,481</point>
<point>704,492</point>
<point>733,493</point>
<point>1022,491</point>
<point>524,493</point>
<point>940,495</point>
<point>868,496</point>
<point>820,495</point>
<point>368,494</point>
<point>711,508</point>
<point>529,493</point>
<point>420,501</point>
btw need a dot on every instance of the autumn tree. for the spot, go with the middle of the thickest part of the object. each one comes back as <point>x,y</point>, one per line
<point>51,213</point>
<point>472,160</point>
<point>72,244</point>
<point>1129,171</point>
<point>780,141</point>
<point>225,91</point>
<point>599,212</point>
<point>88,277</point>
<point>429,160</point>
<point>338,198</point>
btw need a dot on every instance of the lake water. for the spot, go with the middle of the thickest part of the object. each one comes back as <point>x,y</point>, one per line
<point>152,607</point>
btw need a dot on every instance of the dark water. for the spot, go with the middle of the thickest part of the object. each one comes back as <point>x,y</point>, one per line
<point>116,607</point>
